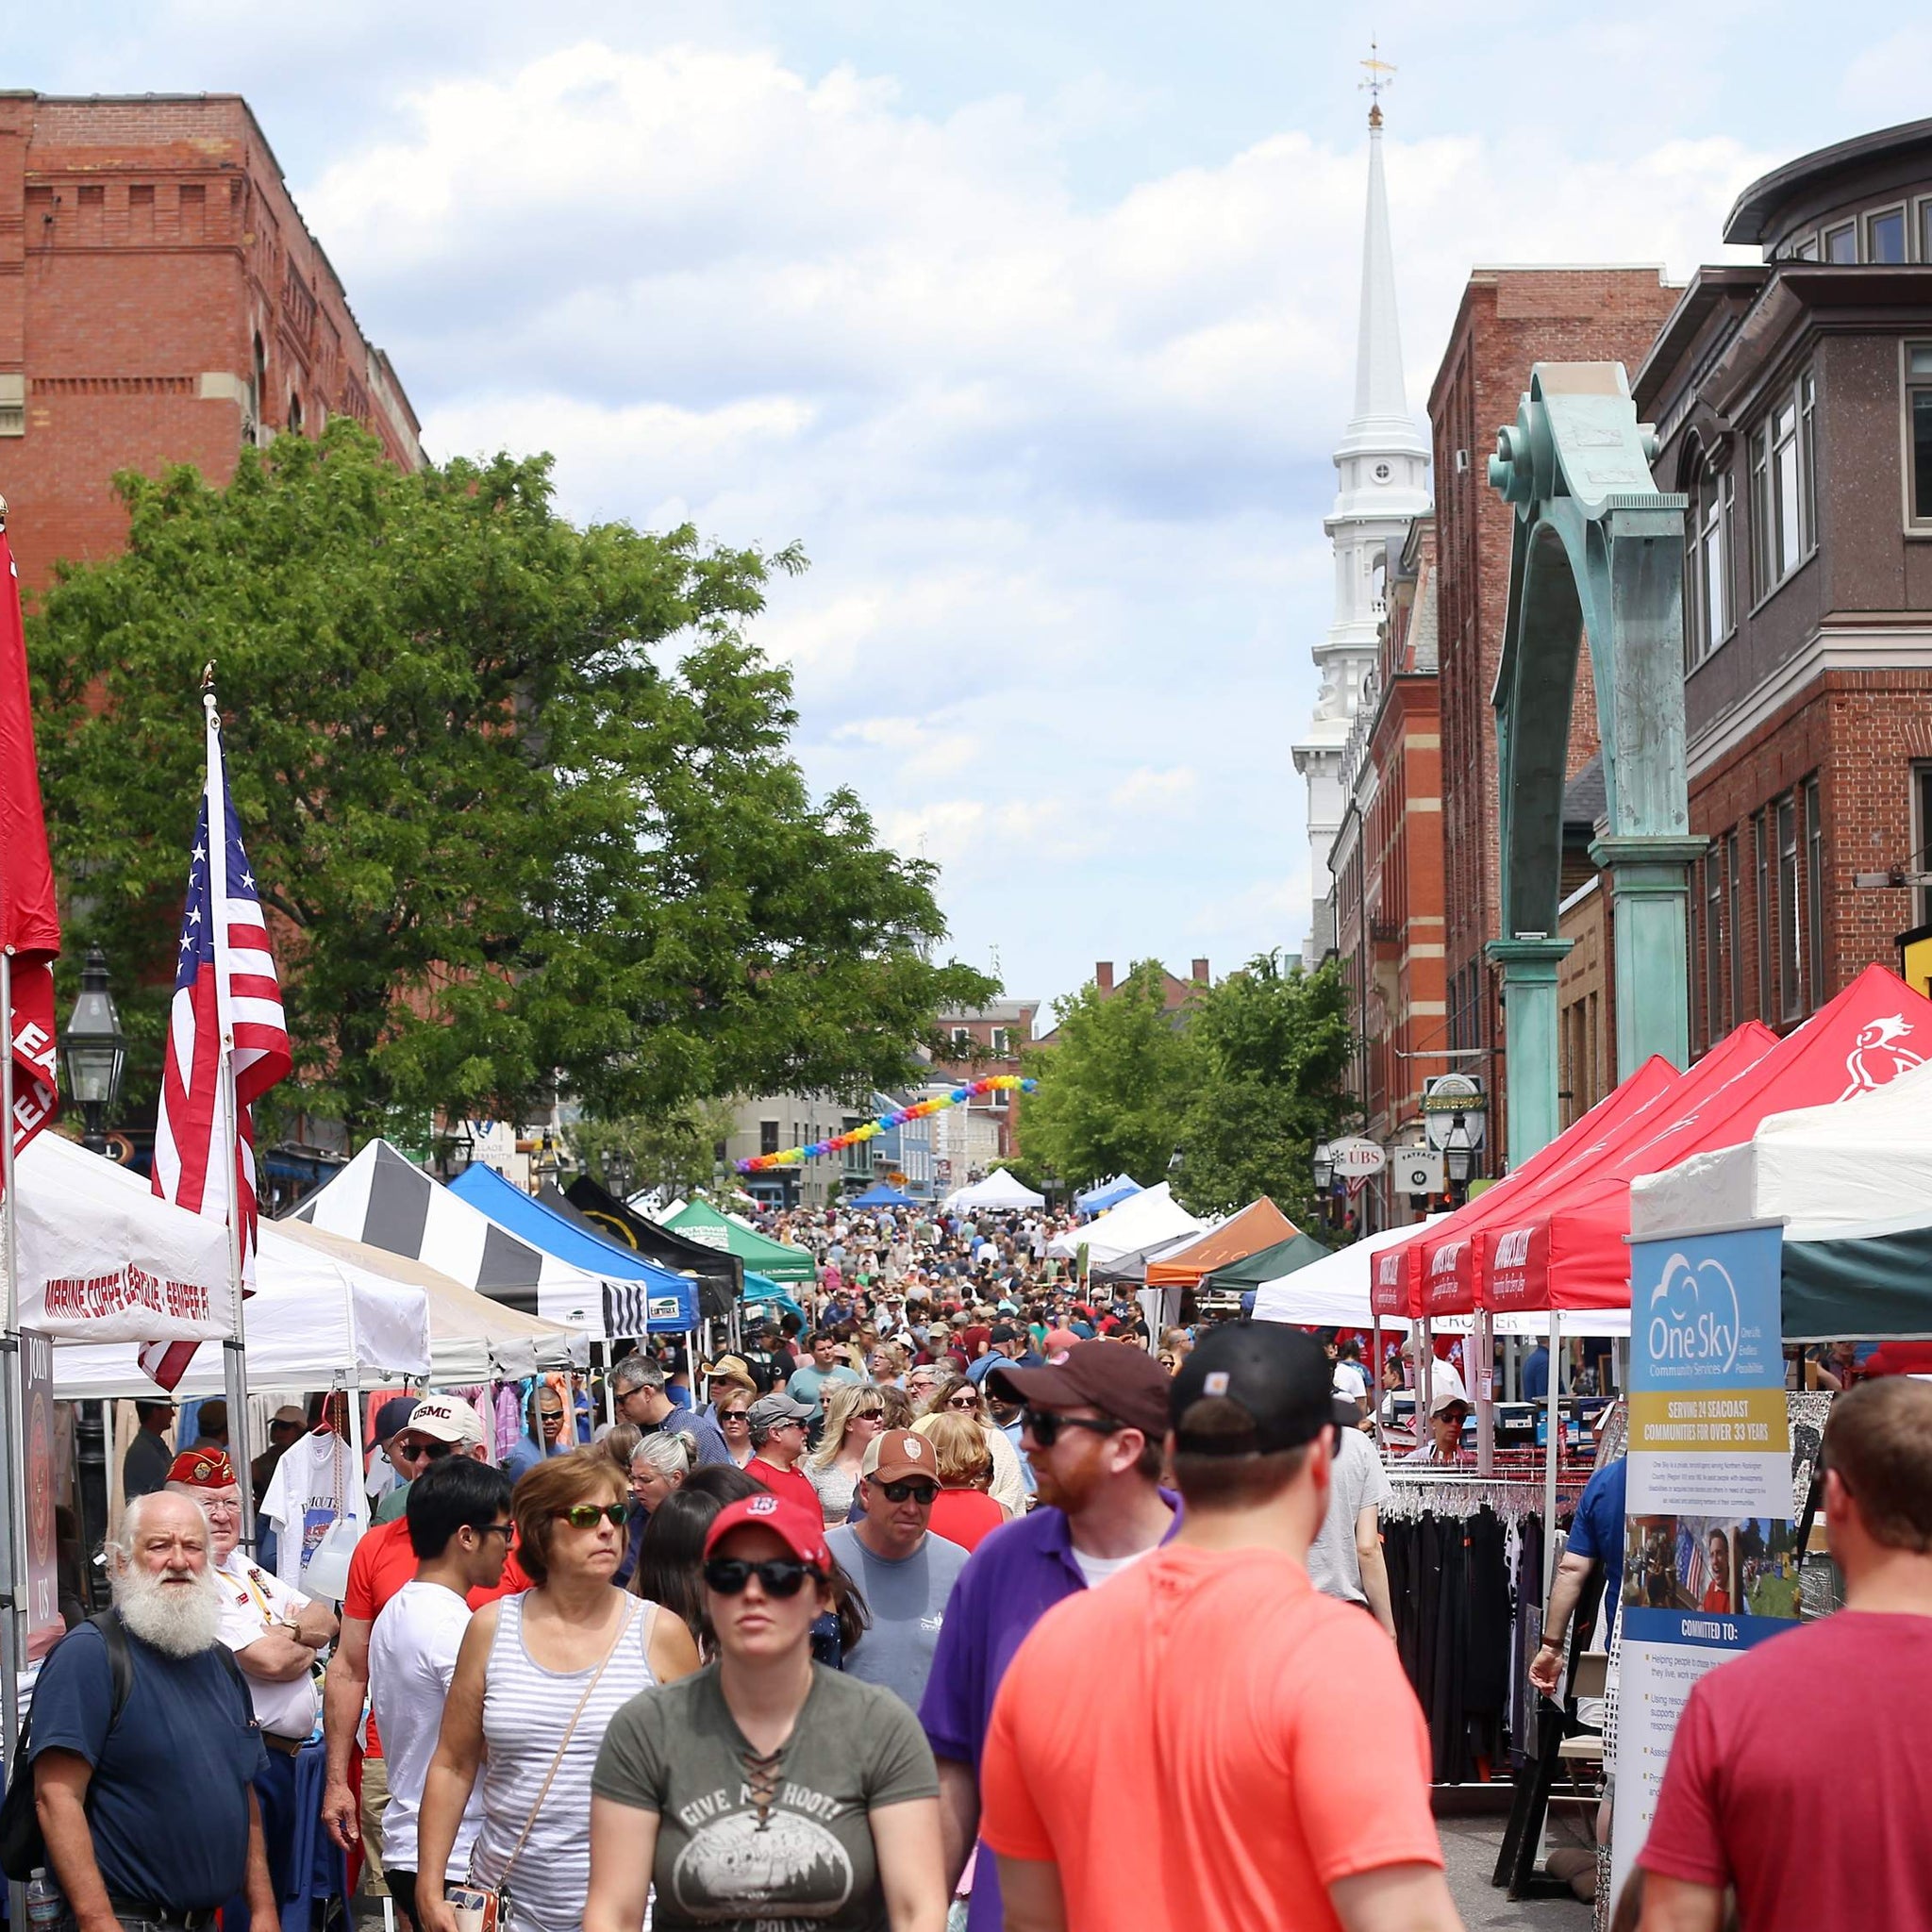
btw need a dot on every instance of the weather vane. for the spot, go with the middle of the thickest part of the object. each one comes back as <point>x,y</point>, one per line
<point>1380,78</point>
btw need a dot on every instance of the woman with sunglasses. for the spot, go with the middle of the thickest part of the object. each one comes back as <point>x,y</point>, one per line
<point>962,1512</point>
<point>731,1411</point>
<point>766,1789</point>
<point>537,1681</point>
<point>957,1396</point>
<point>854,1417</point>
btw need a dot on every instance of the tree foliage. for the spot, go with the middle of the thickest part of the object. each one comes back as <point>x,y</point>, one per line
<point>674,1149</point>
<point>1242,1082</point>
<point>1114,1084</point>
<point>519,795</point>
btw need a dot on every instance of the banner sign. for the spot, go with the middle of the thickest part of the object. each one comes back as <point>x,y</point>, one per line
<point>1711,1562</point>
<point>39,1470</point>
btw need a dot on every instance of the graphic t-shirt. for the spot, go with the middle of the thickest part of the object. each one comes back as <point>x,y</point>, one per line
<point>808,1862</point>
<point>908,1600</point>
<point>305,1496</point>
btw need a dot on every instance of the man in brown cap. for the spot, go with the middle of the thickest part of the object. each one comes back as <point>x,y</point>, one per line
<point>1094,1423</point>
<point>903,1572</point>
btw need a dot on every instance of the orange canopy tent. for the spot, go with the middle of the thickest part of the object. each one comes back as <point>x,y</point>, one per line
<point>1259,1225</point>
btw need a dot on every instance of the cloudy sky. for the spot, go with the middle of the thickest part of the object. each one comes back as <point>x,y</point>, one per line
<point>1033,322</point>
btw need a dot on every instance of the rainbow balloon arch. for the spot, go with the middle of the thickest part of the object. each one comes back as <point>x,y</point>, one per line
<point>871,1130</point>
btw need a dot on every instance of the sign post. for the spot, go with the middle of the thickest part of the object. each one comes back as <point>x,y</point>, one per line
<point>1710,1560</point>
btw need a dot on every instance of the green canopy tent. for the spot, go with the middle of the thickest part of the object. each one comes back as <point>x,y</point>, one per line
<point>1266,1264</point>
<point>698,1221</point>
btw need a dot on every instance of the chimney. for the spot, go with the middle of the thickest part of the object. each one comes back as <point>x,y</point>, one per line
<point>1102,976</point>
<point>1200,972</point>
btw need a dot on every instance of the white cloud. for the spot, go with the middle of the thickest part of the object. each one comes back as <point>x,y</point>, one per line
<point>1059,459</point>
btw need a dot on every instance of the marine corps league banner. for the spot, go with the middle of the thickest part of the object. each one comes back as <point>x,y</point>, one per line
<point>40,1471</point>
<point>1711,1565</point>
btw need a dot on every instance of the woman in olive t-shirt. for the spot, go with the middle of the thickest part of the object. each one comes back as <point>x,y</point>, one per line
<point>766,1790</point>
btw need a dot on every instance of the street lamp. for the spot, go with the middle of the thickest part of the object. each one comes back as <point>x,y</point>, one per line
<point>1459,1158</point>
<point>1324,1169</point>
<point>620,1170</point>
<point>1173,1161</point>
<point>94,1049</point>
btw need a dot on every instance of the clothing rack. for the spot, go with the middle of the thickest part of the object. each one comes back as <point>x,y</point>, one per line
<point>1461,1492</point>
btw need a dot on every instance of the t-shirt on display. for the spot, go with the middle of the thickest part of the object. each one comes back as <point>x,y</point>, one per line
<point>1359,1482</point>
<point>306,1494</point>
<point>1207,1741</point>
<point>807,1862</point>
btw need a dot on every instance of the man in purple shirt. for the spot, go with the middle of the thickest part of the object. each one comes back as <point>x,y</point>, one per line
<point>1094,1422</point>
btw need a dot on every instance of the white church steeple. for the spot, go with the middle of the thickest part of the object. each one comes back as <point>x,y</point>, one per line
<point>1382,483</point>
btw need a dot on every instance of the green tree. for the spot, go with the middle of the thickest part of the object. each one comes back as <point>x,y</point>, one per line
<point>674,1149</point>
<point>1274,1045</point>
<point>1113,1085</point>
<point>520,794</point>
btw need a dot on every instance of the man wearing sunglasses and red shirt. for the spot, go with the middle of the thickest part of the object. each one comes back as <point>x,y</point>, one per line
<point>903,1572</point>
<point>1093,1423</point>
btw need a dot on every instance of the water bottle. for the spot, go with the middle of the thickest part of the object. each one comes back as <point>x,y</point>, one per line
<point>44,1904</point>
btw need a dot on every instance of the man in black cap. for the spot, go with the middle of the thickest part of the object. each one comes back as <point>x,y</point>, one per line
<point>1007,1344</point>
<point>1092,1424</point>
<point>1209,1740</point>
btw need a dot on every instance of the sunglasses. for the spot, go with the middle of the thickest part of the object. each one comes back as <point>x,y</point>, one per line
<point>585,1515</point>
<point>776,1575</point>
<point>962,1402</point>
<point>909,1491</point>
<point>431,1451</point>
<point>1044,1425</point>
<point>551,1415</point>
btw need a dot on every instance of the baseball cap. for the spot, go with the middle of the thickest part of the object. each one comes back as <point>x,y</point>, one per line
<point>895,1454</point>
<point>390,1419</point>
<point>1005,1331</point>
<point>1280,1377</point>
<point>777,1406</point>
<point>801,1535</point>
<point>1125,1383</point>
<point>289,1416</point>
<point>444,1419</point>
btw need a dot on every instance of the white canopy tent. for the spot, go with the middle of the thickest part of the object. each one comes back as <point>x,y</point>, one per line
<point>1145,1220</point>
<point>102,1259</point>
<point>1334,1292</point>
<point>472,1339</point>
<point>1824,1170</point>
<point>999,1192</point>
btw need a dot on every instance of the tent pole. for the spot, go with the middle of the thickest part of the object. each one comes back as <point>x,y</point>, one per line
<point>12,1435</point>
<point>1375,1378</point>
<point>1555,1426</point>
<point>352,1397</point>
<point>1483,1348</point>
<point>1425,1385</point>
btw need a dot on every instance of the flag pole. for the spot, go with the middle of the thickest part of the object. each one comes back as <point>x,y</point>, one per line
<point>235,1343</point>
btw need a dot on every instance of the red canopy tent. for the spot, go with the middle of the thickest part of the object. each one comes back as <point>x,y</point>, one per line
<point>1442,1273</point>
<point>1567,1248</point>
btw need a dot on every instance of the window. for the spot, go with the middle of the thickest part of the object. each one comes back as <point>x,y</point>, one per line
<point>1002,1041</point>
<point>1841,244</point>
<point>1713,945</point>
<point>1781,485</point>
<point>1707,565</point>
<point>1922,835</point>
<point>1787,912</point>
<point>1919,429</point>
<point>1885,235</point>
<point>1814,892</point>
<point>767,1137</point>
<point>1926,230</point>
<point>962,1036</point>
<point>1805,248</point>
<point>1734,880</point>
<point>999,1099</point>
<point>1760,859</point>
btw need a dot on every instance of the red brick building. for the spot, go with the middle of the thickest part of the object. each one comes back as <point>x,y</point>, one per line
<point>1794,400</point>
<point>989,1040</point>
<point>1388,864</point>
<point>162,302</point>
<point>1509,319</point>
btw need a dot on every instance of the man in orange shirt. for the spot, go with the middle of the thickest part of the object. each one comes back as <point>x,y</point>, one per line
<point>1265,1760</point>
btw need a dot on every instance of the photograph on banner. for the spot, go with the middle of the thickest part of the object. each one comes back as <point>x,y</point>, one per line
<point>1711,1564</point>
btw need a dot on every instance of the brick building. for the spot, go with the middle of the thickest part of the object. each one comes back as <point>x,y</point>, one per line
<point>1509,319</point>
<point>986,1129</point>
<point>162,302</point>
<point>1794,400</point>
<point>1388,866</point>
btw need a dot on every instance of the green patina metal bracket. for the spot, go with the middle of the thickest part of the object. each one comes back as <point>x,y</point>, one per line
<point>1596,549</point>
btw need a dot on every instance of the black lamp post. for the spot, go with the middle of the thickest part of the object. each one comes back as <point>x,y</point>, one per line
<point>1324,1175</point>
<point>94,1049</point>
<point>1459,1158</point>
<point>621,1171</point>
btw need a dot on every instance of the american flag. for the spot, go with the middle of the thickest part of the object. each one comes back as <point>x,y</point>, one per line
<point>225,983</point>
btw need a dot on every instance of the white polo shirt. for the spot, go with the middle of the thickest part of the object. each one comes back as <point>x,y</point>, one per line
<point>251,1596</point>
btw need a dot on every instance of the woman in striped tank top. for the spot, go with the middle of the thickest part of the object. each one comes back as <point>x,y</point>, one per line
<point>537,1682</point>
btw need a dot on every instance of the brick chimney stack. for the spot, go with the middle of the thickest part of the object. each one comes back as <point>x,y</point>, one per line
<point>1200,972</point>
<point>1102,976</point>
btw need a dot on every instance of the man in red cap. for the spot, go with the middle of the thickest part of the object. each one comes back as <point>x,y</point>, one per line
<point>276,1635</point>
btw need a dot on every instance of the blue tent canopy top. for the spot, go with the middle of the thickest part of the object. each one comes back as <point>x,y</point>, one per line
<point>770,1298</point>
<point>1105,1194</point>
<point>662,1303</point>
<point>881,1194</point>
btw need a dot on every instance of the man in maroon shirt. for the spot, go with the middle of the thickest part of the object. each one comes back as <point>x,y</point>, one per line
<point>1764,1795</point>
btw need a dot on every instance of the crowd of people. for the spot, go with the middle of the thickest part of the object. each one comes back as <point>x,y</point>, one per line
<point>953,1602</point>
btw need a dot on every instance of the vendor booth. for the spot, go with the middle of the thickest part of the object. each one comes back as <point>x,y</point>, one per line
<point>698,1221</point>
<point>718,1273</point>
<point>1144,1221</point>
<point>998,1193</point>
<point>1105,1194</point>
<point>1259,1224</point>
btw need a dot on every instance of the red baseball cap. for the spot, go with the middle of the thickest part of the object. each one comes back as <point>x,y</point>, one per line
<point>786,1521</point>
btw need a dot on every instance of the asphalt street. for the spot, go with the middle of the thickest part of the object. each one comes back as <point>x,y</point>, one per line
<point>1470,1845</point>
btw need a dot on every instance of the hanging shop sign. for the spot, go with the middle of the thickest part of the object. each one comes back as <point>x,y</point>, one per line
<point>1418,1170</point>
<point>1446,1096</point>
<point>1710,1560</point>
<point>1357,1161</point>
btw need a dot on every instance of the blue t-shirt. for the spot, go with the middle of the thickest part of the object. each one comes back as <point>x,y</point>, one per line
<point>169,1797</point>
<point>1535,1374</point>
<point>1598,1530</point>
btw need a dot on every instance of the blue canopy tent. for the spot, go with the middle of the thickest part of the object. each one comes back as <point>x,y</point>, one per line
<point>882,1195</point>
<point>657,1301</point>
<point>1105,1194</point>
<point>768,1298</point>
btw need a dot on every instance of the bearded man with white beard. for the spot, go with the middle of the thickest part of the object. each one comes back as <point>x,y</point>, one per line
<point>150,1816</point>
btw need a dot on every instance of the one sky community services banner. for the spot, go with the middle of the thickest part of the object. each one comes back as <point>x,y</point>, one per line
<point>1710,1563</point>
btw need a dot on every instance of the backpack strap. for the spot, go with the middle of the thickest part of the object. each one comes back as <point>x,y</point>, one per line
<point>120,1661</point>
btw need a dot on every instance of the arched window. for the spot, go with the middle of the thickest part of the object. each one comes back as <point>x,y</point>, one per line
<point>294,414</point>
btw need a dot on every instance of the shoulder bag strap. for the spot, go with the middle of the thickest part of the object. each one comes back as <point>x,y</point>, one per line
<point>568,1732</point>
